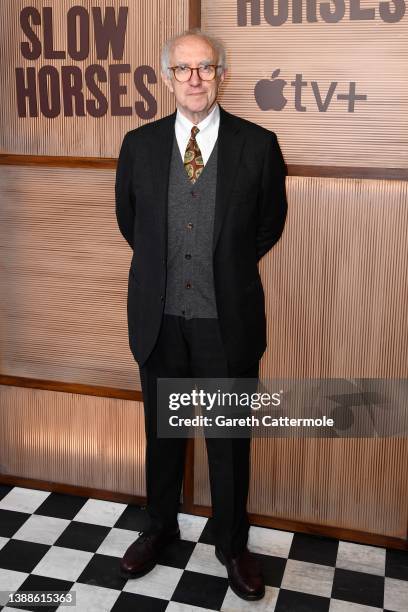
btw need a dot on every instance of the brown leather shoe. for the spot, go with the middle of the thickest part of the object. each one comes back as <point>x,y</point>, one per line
<point>244,574</point>
<point>141,556</point>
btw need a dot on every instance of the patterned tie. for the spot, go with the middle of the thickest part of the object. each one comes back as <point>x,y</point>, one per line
<point>193,161</point>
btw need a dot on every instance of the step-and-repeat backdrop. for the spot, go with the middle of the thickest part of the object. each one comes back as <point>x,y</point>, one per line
<point>330,79</point>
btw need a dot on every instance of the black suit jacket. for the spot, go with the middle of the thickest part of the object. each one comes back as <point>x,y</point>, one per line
<point>250,213</point>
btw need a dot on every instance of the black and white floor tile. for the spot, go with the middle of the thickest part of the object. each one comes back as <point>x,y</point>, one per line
<point>53,542</point>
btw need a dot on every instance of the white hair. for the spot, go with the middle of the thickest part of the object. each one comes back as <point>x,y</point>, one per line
<point>215,43</point>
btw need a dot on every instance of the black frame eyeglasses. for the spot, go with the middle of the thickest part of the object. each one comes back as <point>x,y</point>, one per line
<point>184,73</point>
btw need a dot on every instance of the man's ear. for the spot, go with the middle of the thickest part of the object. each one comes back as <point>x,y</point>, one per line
<point>223,74</point>
<point>167,81</point>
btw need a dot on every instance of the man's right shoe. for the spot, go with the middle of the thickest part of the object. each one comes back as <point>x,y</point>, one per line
<point>141,556</point>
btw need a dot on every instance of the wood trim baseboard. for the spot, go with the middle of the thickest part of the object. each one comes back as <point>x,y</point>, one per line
<point>103,163</point>
<point>399,174</point>
<point>66,387</point>
<point>58,161</point>
<point>67,489</point>
<point>195,509</point>
<point>339,533</point>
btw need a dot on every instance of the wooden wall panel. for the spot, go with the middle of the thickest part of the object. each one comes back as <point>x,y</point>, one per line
<point>99,443</point>
<point>149,24</point>
<point>63,278</point>
<point>72,439</point>
<point>335,285</point>
<point>337,282</point>
<point>371,53</point>
<point>352,484</point>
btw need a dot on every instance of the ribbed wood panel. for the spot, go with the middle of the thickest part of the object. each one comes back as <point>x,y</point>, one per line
<point>99,443</point>
<point>355,484</point>
<point>63,278</point>
<point>149,24</point>
<point>371,53</point>
<point>66,438</point>
<point>335,284</point>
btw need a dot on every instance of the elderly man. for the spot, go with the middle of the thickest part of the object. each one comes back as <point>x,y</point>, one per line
<point>200,198</point>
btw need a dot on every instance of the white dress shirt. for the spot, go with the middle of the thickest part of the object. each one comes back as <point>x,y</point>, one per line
<point>206,137</point>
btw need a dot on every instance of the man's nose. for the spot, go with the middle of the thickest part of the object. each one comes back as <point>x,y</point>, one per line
<point>195,79</point>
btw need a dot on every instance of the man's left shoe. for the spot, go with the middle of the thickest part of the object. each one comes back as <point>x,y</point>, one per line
<point>244,574</point>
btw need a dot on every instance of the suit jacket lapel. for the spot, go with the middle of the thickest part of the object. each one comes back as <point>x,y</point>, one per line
<point>230,143</point>
<point>160,158</point>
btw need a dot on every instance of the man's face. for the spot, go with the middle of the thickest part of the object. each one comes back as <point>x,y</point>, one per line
<point>194,97</point>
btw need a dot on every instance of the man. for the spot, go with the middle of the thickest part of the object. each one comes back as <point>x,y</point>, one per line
<point>200,198</point>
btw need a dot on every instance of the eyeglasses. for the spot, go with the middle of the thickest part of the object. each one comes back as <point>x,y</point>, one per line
<point>183,73</point>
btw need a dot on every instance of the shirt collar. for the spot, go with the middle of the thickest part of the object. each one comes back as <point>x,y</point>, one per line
<point>211,119</point>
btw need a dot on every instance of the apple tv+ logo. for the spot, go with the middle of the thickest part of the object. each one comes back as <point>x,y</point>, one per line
<point>269,94</point>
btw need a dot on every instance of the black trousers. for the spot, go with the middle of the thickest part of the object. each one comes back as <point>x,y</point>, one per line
<point>193,348</point>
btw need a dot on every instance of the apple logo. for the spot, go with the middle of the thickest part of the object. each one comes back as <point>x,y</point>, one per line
<point>269,94</point>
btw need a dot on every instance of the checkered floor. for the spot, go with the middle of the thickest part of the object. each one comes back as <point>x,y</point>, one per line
<point>59,542</point>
